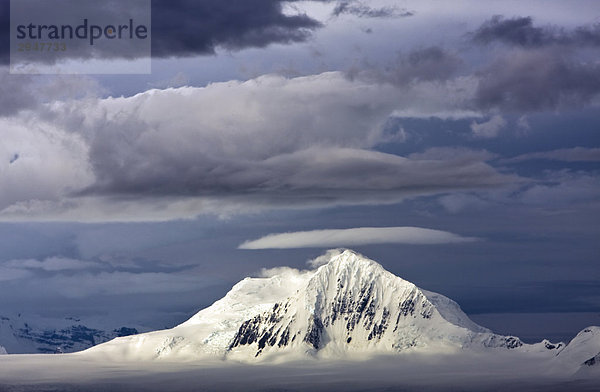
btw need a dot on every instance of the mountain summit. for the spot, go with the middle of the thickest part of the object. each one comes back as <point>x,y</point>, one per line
<point>348,306</point>
<point>351,304</point>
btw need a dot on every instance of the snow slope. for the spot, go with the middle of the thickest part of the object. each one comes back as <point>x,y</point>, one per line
<point>208,333</point>
<point>583,350</point>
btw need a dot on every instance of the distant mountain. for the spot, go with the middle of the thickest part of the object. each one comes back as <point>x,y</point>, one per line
<point>29,334</point>
<point>348,307</point>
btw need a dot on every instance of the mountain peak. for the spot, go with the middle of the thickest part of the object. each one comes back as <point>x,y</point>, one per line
<point>349,257</point>
<point>345,254</point>
<point>352,304</point>
<point>346,262</point>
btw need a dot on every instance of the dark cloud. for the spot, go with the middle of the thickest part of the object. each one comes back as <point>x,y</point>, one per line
<point>542,72</point>
<point>322,176</point>
<point>432,63</point>
<point>364,11</point>
<point>185,27</point>
<point>426,64</point>
<point>191,27</point>
<point>520,31</point>
<point>534,80</point>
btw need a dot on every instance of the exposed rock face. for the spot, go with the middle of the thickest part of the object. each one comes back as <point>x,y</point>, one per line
<point>595,361</point>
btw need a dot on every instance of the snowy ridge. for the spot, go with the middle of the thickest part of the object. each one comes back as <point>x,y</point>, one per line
<point>350,306</point>
<point>583,348</point>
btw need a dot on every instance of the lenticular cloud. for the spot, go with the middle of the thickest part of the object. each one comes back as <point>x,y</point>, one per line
<point>355,236</point>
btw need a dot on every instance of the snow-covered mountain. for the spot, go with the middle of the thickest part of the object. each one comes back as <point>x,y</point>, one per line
<point>583,351</point>
<point>30,334</point>
<point>349,306</point>
<point>352,304</point>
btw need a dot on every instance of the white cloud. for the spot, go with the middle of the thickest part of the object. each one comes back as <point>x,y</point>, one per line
<point>39,161</point>
<point>324,258</point>
<point>355,236</point>
<point>488,129</point>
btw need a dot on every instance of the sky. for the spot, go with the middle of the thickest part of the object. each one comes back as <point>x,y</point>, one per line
<point>456,143</point>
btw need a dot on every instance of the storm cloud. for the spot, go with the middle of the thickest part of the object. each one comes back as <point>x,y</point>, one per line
<point>191,27</point>
<point>430,64</point>
<point>520,31</point>
<point>180,28</point>
<point>540,67</point>
<point>536,80</point>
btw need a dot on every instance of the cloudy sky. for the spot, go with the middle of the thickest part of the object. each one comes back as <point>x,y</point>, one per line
<point>456,143</point>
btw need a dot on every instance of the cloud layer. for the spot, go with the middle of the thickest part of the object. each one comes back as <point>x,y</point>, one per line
<point>73,278</point>
<point>269,142</point>
<point>273,142</point>
<point>355,236</point>
<point>575,154</point>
